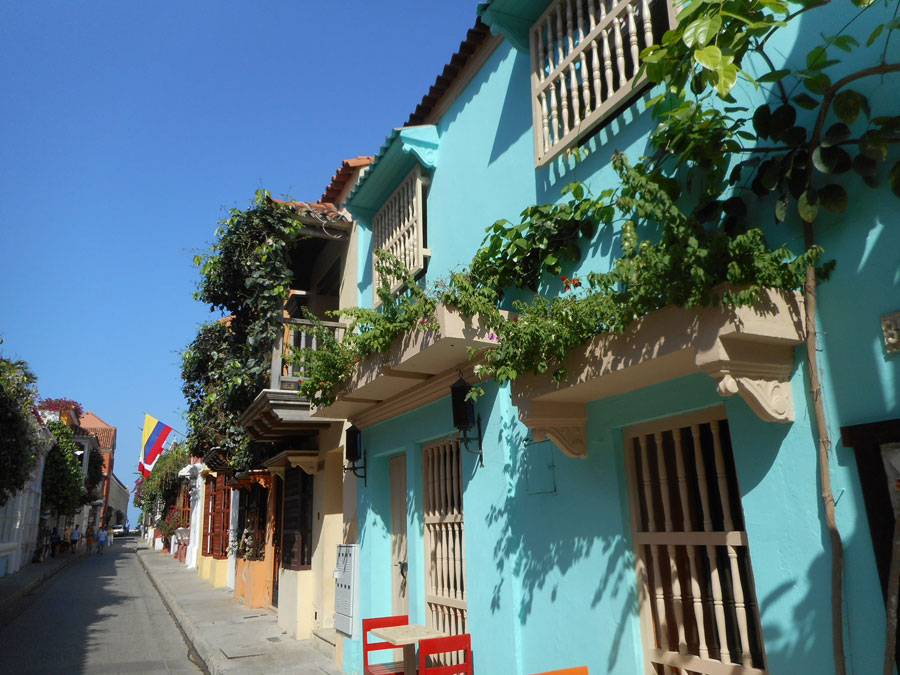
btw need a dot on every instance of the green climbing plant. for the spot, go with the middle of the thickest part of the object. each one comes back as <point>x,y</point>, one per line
<point>246,276</point>
<point>20,432</point>
<point>62,490</point>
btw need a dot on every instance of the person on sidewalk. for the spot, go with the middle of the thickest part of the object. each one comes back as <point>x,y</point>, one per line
<point>102,537</point>
<point>76,535</point>
<point>54,542</point>
<point>89,537</point>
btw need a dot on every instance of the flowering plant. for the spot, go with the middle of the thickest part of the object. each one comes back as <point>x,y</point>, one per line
<point>60,404</point>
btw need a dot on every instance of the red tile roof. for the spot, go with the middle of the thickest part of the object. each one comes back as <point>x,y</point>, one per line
<point>106,434</point>
<point>341,176</point>
<point>317,210</point>
<point>474,39</point>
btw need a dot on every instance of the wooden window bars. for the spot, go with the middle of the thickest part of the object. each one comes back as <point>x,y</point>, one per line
<point>296,524</point>
<point>399,228</point>
<point>445,565</point>
<point>697,601</point>
<point>585,56</point>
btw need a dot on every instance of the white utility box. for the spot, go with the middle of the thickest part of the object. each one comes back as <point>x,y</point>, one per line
<point>346,590</point>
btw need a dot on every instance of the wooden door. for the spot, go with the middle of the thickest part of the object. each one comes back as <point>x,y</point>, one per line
<point>278,501</point>
<point>399,567</point>
<point>445,569</point>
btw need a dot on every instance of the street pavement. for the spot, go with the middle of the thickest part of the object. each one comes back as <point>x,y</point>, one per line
<point>133,610</point>
<point>96,614</point>
<point>229,636</point>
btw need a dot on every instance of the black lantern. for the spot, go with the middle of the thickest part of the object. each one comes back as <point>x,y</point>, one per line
<point>463,410</point>
<point>353,445</point>
<point>464,417</point>
<point>353,452</point>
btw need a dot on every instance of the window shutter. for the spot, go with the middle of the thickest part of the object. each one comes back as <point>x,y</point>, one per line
<point>207,516</point>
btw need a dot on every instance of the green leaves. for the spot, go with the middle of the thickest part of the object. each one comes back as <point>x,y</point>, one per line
<point>848,104</point>
<point>700,32</point>
<point>831,160</point>
<point>894,179</point>
<point>834,198</point>
<point>808,205</point>
<point>709,57</point>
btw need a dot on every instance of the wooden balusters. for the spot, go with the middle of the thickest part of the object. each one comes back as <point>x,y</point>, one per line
<point>633,40</point>
<point>671,553</point>
<point>694,563</point>
<point>737,590</point>
<point>572,43</point>
<point>444,536</point>
<point>659,592</point>
<point>648,23</point>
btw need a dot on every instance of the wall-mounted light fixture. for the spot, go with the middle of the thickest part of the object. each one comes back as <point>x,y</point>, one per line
<point>464,417</point>
<point>353,452</point>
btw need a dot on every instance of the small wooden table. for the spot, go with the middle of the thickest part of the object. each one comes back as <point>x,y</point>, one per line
<point>407,637</point>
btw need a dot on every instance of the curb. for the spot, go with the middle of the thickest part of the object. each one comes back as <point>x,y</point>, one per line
<point>189,629</point>
<point>35,583</point>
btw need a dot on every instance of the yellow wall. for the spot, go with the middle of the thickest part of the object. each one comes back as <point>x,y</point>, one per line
<point>212,570</point>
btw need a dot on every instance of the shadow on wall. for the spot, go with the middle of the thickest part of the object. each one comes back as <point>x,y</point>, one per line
<point>545,532</point>
<point>515,116</point>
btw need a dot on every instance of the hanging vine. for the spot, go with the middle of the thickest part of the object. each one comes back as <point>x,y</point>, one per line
<point>246,276</point>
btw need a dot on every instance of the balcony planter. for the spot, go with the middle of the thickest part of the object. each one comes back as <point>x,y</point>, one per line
<point>418,369</point>
<point>749,351</point>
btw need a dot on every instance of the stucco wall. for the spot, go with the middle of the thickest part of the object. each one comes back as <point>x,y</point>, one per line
<point>550,571</point>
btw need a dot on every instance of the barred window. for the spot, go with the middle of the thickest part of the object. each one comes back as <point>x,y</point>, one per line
<point>585,56</point>
<point>399,227</point>
<point>296,523</point>
<point>698,604</point>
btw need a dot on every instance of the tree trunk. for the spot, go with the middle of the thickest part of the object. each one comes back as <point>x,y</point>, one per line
<point>824,445</point>
<point>893,587</point>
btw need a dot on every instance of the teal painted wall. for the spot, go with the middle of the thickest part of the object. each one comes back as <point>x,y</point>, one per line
<point>549,555</point>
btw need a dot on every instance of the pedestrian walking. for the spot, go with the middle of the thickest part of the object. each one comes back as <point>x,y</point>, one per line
<point>89,536</point>
<point>54,542</point>
<point>102,537</point>
<point>76,535</point>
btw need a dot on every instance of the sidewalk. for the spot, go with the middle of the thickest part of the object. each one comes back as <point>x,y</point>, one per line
<point>228,636</point>
<point>22,582</point>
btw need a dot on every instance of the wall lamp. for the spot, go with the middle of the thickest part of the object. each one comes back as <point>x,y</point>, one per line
<point>353,452</point>
<point>464,418</point>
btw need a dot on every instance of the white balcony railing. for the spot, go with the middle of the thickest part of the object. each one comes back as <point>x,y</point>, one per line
<point>399,227</point>
<point>585,55</point>
<point>286,375</point>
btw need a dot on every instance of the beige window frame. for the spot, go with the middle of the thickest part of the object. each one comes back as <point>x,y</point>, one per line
<point>698,607</point>
<point>445,564</point>
<point>585,55</point>
<point>399,228</point>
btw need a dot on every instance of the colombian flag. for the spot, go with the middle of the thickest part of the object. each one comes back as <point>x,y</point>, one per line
<point>154,438</point>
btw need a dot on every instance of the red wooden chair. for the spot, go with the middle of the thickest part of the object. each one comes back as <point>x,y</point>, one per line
<point>579,670</point>
<point>392,668</point>
<point>441,645</point>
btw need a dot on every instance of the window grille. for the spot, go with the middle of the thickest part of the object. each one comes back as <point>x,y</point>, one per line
<point>296,524</point>
<point>252,513</point>
<point>584,60</point>
<point>399,228</point>
<point>697,601</point>
<point>445,573</point>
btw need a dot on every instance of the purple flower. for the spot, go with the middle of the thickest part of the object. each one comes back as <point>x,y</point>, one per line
<point>492,337</point>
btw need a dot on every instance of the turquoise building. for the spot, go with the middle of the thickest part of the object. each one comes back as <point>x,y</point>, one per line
<point>660,509</point>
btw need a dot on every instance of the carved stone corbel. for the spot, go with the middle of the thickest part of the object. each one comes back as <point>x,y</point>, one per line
<point>563,423</point>
<point>772,400</point>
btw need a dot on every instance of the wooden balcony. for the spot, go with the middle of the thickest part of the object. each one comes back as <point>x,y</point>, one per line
<point>585,57</point>
<point>280,411</point>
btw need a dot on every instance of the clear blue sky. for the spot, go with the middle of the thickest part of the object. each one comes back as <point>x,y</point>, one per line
<point>126,131</point>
